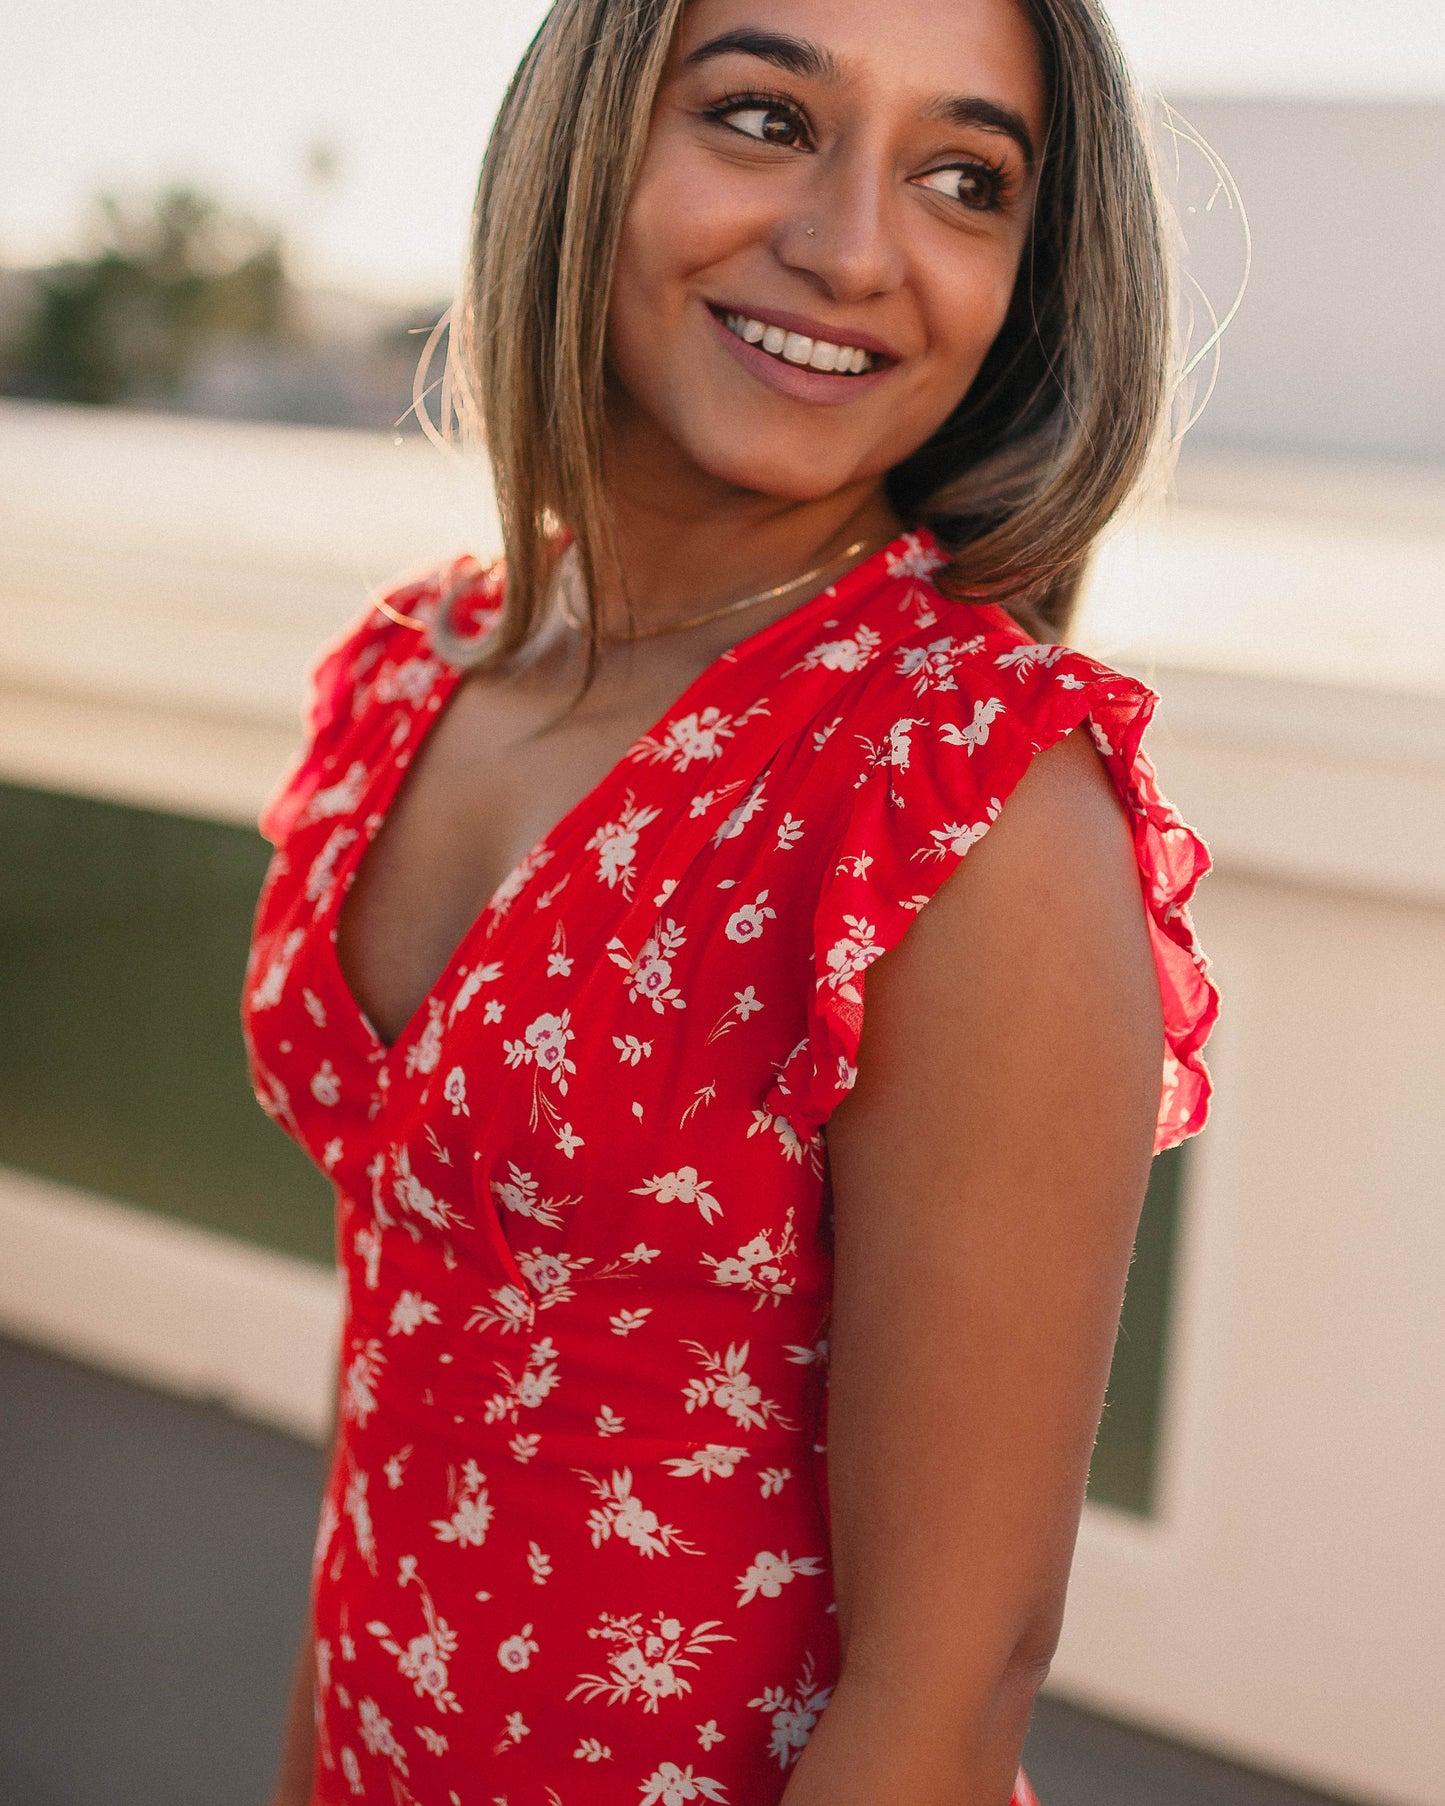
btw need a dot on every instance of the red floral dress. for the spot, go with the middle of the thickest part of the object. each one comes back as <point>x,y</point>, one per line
<point>574,1549</point>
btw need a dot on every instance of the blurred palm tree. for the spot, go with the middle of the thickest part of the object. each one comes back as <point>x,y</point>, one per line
<point>165,278</point>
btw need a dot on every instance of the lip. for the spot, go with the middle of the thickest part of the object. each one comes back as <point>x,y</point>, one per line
<point>811,329</point>
<point>797,381</point>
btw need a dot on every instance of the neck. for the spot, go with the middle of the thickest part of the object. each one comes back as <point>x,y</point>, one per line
<point>688,544</point>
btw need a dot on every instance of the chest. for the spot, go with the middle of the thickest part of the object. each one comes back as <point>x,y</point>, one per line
<point>494,777</point>
<point>626,996</point>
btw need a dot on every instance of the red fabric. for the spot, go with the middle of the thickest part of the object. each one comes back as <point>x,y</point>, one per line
<point>574,1547</point>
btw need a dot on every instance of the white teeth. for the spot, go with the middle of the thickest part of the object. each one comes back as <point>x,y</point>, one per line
<point>798,348</point>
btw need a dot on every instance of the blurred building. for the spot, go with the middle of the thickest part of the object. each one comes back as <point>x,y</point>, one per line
<point>1336,352</point>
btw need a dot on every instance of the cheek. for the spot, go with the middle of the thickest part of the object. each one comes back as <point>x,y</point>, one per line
<point>967,312</point>
<point>678,221</point>
<point>964,311</point>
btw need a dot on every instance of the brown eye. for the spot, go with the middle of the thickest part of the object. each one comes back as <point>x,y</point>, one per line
<point>972,185</point>
<point>767,124</point>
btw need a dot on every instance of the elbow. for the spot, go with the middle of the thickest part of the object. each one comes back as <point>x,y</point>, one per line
<point>1015,1692</point>
<point>1026,1673</point>
<point>1032,1656</point>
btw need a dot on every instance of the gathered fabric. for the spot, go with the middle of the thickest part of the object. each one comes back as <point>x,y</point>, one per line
<point>574,1546</point>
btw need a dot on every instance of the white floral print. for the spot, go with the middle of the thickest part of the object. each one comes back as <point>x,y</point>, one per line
<point>358,1398</point>
<point>956,838</point>
<point>526,1390</point>
<point>358,1509</point>
<point>623,1515</point>
<point>979,728</point>
<point>326,1086</point>
<point>647,1661</point>
<point>423,1660</point>
<point>606,1120</point>
<point>850,654</point>
<point>768,1574</point>
<point>714,1458</point>
<point>615,843</point>
<point>423,1054</point>
<point>914,556</point>
<point>759,1266</point>
<point>684,1187</point>
<point>519,1193</point>
<point>410,1312</point>
<point>417,1199</point>
<point>649,975</point>
<point>793,1713</point>
<point>728,1385</point>
<point>936,666</point>
<point>472,1513</point>
<point>544,1045</point>
<point>377,1735</point>
<point>695,739</point>
<point>486,974</point>
<point>267,993</point>
<point>322,875</point>
<point>341,798</point>
<point>734,824</point>
<point>851,955</point>
<point>669,1785</point>
<point>515,1652</point>
<point>746,922</point>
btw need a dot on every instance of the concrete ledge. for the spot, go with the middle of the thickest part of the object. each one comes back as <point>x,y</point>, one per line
<point>185,764</point>
<point>1341,789</point>
<point>167,583</point>
<point>173,1306</point>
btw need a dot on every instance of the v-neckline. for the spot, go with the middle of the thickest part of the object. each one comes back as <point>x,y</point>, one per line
<point>379,805</point>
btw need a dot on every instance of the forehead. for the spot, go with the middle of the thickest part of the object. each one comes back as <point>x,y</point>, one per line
<point>905,52</point>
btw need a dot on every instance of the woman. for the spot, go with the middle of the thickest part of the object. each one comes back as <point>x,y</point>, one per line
<point>815,344</point>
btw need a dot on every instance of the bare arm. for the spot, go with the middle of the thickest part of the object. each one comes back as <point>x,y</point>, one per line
<point>988,1173</point>
<point>298,1738</point>
<point>295,1775</point>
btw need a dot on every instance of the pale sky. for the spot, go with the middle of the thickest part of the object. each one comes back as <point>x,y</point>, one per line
<point>230,96</point>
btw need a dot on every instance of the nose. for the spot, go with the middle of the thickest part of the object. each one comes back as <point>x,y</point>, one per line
<point>842,232</point>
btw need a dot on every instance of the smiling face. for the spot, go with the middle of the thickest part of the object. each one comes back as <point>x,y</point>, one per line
<point>823,238</point>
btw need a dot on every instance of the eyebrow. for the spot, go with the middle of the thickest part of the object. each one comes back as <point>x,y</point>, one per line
<point>797,56</point>
<point>988,115</point>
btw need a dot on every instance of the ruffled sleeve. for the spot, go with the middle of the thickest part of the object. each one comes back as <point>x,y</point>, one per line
<point>340,684</point>
<point>939,767</point>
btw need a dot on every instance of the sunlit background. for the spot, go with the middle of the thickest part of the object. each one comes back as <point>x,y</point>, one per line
<point>224,236</point>
<point>355,126</point>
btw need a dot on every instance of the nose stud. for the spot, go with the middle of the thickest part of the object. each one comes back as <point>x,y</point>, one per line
<point>812,232</point>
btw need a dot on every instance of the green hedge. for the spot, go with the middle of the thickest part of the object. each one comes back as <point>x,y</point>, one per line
<point>123,936</point>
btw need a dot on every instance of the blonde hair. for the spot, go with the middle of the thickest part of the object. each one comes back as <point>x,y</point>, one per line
<point>1062,424</point>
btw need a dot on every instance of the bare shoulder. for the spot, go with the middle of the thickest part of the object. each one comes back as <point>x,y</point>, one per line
<point>1035,952</point>
<point>1064,816</point>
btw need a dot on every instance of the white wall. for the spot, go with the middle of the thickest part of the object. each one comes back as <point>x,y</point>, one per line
<point>1337,345</point>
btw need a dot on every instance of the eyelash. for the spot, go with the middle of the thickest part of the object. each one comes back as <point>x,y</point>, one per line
<point>997,175</point>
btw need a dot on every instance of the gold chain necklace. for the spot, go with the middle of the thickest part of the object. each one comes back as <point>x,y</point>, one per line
<point>568,582</point>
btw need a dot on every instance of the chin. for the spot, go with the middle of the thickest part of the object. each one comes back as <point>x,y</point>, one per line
<point>787,473</point>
